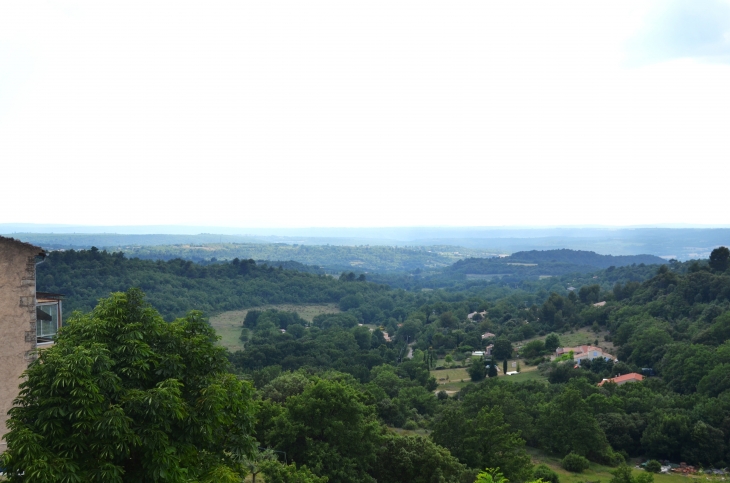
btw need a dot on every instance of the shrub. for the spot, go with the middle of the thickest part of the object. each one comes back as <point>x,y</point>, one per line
<point>410,425</point>
<point>612,458</point>
<point>653,466</point>
<point>574,463</point>
<point>623,474</point>
<point>544,473</point>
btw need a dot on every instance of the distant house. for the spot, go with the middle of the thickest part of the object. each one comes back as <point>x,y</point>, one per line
<point>571,289</point>
<point>582,352</point>
<point>488,335</point>
<point>386,336</point>
<point>600,304</point>
<point>632,377</point>
<point>488,350</point>
<point>477,354</point>
<point>471,315</point>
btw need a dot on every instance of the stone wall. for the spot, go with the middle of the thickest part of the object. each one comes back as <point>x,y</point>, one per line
<point>17,319</point>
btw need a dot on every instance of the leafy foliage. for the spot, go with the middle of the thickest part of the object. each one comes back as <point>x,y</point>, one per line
<point>477,369</point>
<point>125,396</point>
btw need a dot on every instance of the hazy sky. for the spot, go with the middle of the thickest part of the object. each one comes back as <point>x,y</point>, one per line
<point>369,113</point>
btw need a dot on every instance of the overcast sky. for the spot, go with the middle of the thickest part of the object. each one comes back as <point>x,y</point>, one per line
<point>370,113</point>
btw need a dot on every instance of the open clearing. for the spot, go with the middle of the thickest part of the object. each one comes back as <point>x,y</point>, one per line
<point>582,336</point>
<point>529,373</point>
<point>228,325</point>
<point>453,379</point>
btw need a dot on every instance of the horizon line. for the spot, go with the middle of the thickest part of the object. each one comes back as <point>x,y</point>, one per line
<point>353,227</point>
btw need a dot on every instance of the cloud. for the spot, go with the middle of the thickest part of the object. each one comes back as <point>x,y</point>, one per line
<point>675,29</point>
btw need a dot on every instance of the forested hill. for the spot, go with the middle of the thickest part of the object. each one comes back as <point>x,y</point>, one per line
<point>582,257</point>
<point>550,262</point>
<point>176,286</point>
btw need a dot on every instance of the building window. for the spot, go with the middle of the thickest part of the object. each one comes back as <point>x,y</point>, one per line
<point>46,322</point>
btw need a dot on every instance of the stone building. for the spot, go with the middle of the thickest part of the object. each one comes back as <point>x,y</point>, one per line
<point>29,320</point>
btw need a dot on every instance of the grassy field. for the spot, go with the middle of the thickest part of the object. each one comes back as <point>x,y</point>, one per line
<point>599,473</point>
<point>527,373</point>
<point>450,380</point>
<point>228,324</point>
<point>584,336</point>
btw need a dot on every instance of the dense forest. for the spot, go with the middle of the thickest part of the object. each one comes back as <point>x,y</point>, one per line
<point>371,364</point>
<point>177,286</point>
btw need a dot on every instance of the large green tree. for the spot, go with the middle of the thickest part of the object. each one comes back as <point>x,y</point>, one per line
<point>552,342</point>
<point>567,424</point>
<point>416,459</point>
<point>329,428</point>
<point>502,349</point>
<point>482,441</point>
<point>720,259</point>
<point>124,396</point>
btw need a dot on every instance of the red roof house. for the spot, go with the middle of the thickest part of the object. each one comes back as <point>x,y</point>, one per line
<point>631,377</point>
